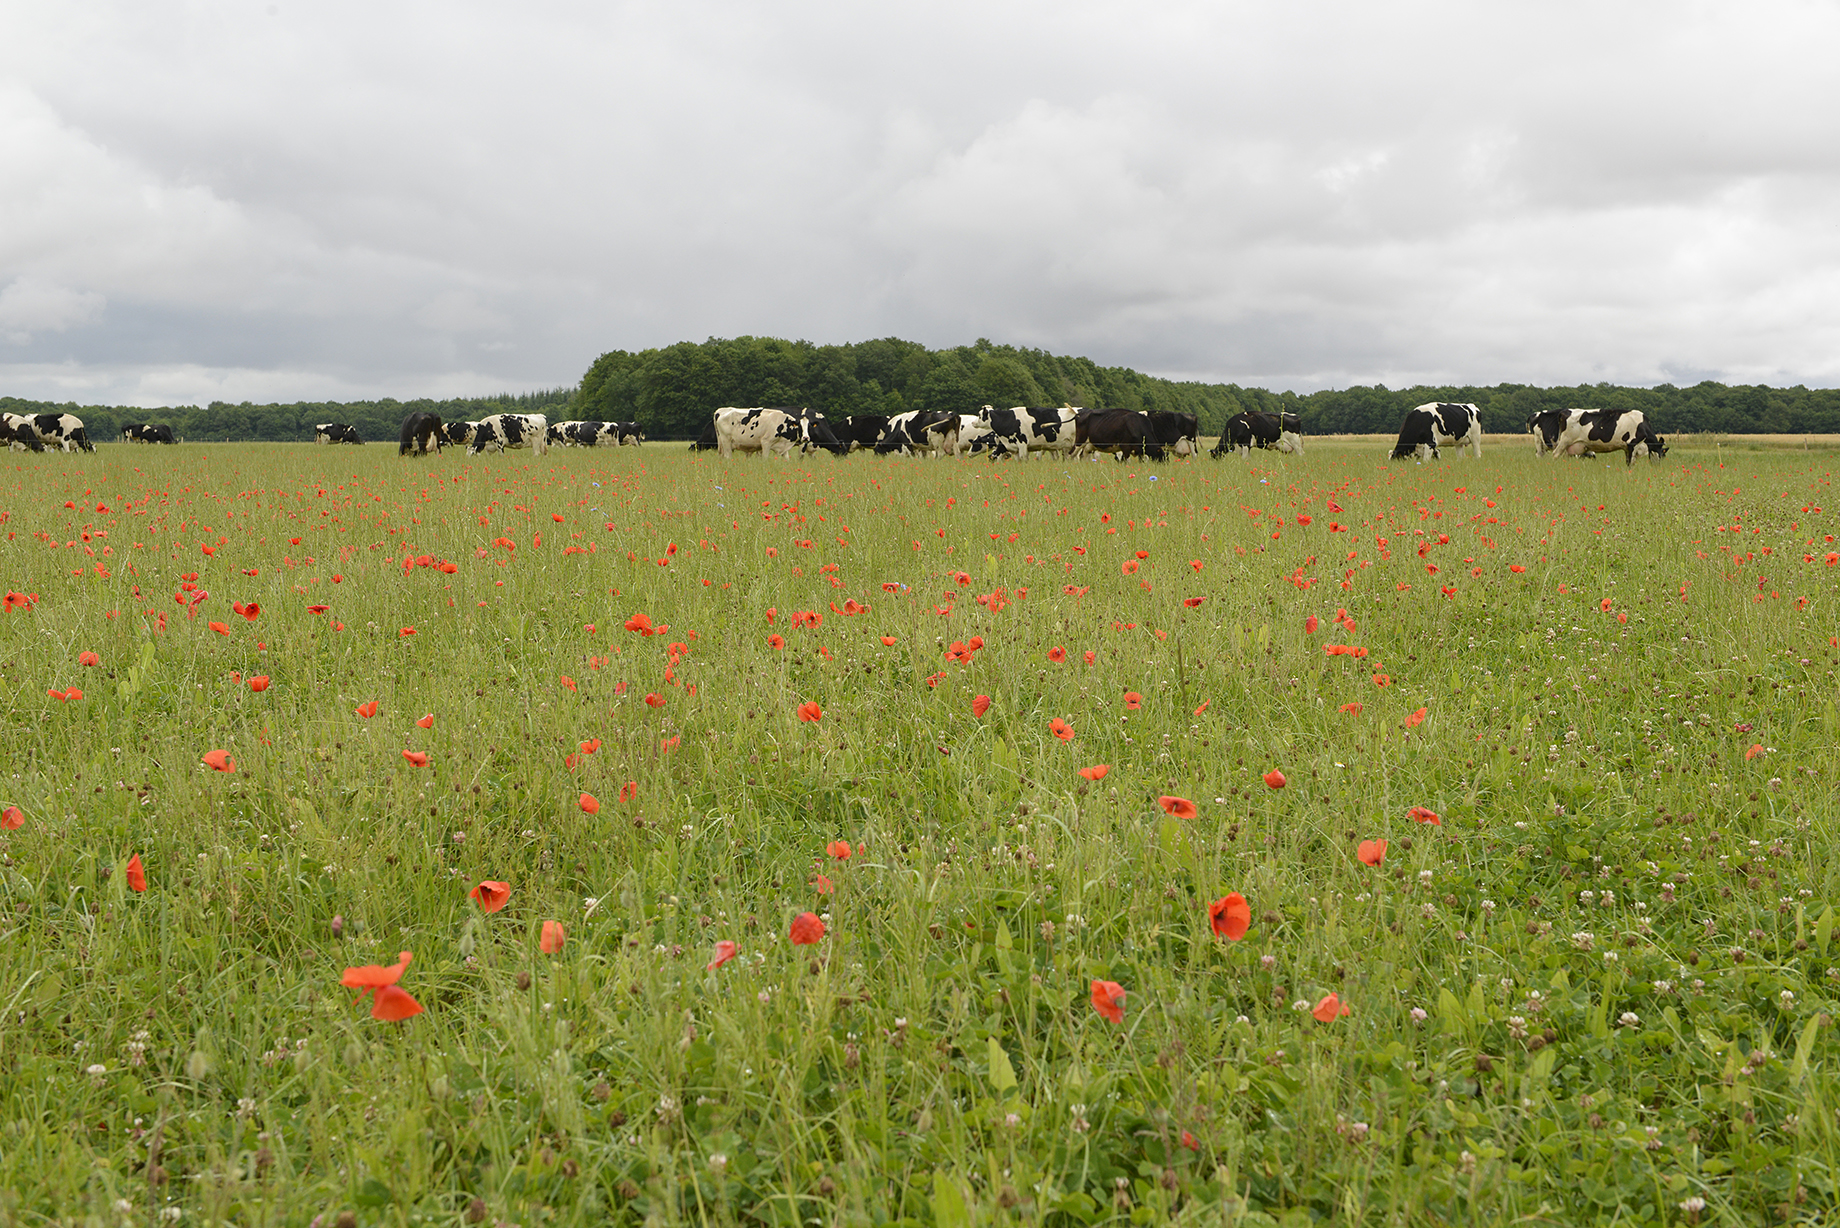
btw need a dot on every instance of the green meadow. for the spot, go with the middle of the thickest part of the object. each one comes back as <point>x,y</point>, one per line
<point>1600,988</point>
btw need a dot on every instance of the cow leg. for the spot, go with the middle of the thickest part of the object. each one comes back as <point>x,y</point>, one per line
<point>1476,443</point>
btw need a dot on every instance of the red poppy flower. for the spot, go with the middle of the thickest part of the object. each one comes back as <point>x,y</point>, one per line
<point>220,628</point>
<point>1108,1000</point>
<point>1621,617</point>
<point>1057,654</point>
<point>1274,779</point>
<point>12,818</point>
<point>589,804</point>
<point>66,695</point>
<point>1422,815</point>
<point>219,760</point>
<point>1203,706</point>
<point>824,885</point>
<point>1192,602</point>
<point>1133,700</point>
<point>1371,852</point>
<point>394,1004</point>
<point>725,951</point>
<point>810,712</point>
<point>553,938</point>
<point>1130,567</point>
<point>1061,729</point>
<point>491,895</point>
<point>980,705</point>
<point>250,611</point>
<point>1230,916</point>
<point>888,641</point>
<point>1309,625</point>
<point>417,757</point>
<point>1755,750</point>
<point>1329,1009</point>
<point>259,683</point>
<point>89,658</point>
<point>426,722</point>
<point>807,928</point>
<point>367,710</point>
<point>1383,680</point>
<point>629,790</point>
<point>840,849</point>
<point>640,623</point>
<point>1096,772</point>
<point>1516,568</point>
<point>1180,807</point>
<point>1089,656</point>
<point>369,978</point>
<point>569,683</point>
<point>776,641</point>
<point>654,700</point>
<point>1354,709</point>
<point>136,876</point>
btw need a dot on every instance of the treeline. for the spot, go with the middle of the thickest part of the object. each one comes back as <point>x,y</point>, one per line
<point>671,391</point>
<point>377,421</point>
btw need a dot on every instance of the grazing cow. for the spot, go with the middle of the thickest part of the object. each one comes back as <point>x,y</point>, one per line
<point>924,431</point>
<point>1125,432</point>
<point>1252,428</point>
<point>17,434</point>
<point>336,432</point>
<point>459,434</point>
<point>1021,428</point>
<point>1438,424</point>
<point>862,430</point>
<point>1580,432</point>
<point>975,437</point>
<point>61,431</point>
<point>501,431</point>
<point>1178,432</point>
<point>627,434</point>
<point>147,432</point>
<point>584,434</point>
<point>420,429</point>
<point>706,442</point>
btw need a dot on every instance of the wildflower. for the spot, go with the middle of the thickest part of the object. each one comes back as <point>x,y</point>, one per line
<point>1057,654</point>
<point>369,978</point>
<point>89,658</point>
<point>980,705</point>
<point>426,722</point>
<point>1108,1000</point>
<point>725,951</point>
<point>1192,602</point>
<point>1179,807</point>
<point>810,712</point>
<point>1133,701</point>
<point>1416,719</point>
<point>1516,568</point>
<point>888,641</point>
<point>1371,852</point>
<point>553,937</point>
<point>1061,729</point>
<point>589,804</point>
<point>654,700</point>
<point>629,790</point>
<point>219,760</point>
<point>1230,916</point>
<point>394,1004</point>
<point>1089,656</point>
<point>1274,779</point>
<point>640,623</point>
<point>1755,750</point>
<point>1329,1009</point>
<point>1130,567</point>
<point>807,929</point>
<point>12,818</point>
<point>250,611</point>
<point>1309,625</point>
<point>318,609</point>
<point>1422,815</point>
<point>135,874</point>
<point>1353,709</point>
<point>491,896</point>
<point>259,683</point>
<point>417,758</point>
<point>1096,772</point>
<point>838,849</point>
<point>569,683</point>
<point>590,746</point>
<point>220,628</point>
<point>776,641</point>
<point>367,710</point>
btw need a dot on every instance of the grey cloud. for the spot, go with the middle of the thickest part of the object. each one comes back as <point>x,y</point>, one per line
<point>355,200</point>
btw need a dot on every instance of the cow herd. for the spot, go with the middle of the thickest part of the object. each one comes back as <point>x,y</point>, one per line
<point>784,430</point>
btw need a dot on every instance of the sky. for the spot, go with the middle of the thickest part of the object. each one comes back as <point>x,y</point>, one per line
<point>278,201</point>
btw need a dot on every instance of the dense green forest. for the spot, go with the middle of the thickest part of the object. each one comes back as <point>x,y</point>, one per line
<point>670,392</point>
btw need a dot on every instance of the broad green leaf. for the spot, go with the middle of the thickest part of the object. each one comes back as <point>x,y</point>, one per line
<point>949,1209</point>
<point>1803,1047</point>
<point>1004,941</point>
<point>1002,1074</point>
<point>1824,928</point>
<point>1449,1009</point>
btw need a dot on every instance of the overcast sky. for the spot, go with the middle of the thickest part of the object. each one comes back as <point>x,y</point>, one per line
<point>291,200</point>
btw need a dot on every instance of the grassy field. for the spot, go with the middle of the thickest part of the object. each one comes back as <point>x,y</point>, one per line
<point>1599,988</point>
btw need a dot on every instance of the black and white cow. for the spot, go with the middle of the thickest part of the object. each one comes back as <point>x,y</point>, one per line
<point>627,434</point>
<point>1254,428</point>
<point>147,432</point>
<point>1579,432</point>
<point>1178,432</point>
<point>1024,428</point>
<point>584,434</point>
<point>501,431</point>
<point>459,434</point>
<point>1125,432</point>
<point>862,430</point>
<point>17,434</point>
<point>706,442</point>
<point>780,431</point>
<point>420,429</point>
<point>976,438</point>
<point>61,431</point>
<point>1438,424</point>
<point>924,432</point>
<point>336,432</point>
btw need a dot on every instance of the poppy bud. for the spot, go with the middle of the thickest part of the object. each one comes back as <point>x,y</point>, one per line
<point>1274,779</point>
